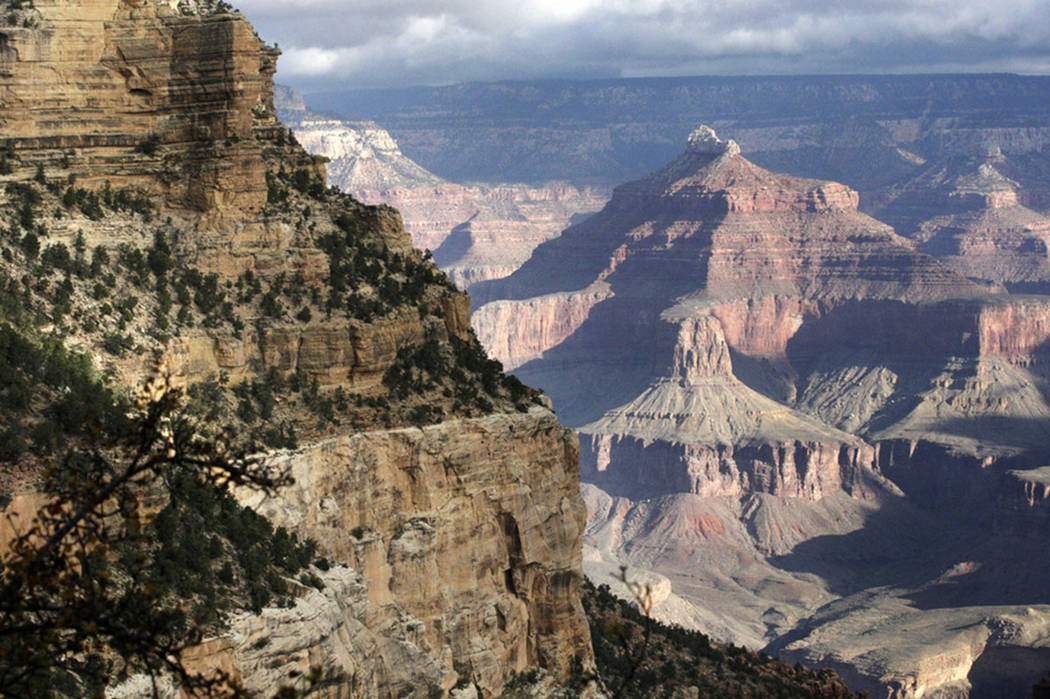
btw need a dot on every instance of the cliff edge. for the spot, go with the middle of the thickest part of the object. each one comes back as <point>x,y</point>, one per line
<point>154,205</point>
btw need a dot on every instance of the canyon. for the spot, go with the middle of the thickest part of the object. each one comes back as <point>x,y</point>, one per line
<point>805,431</point>
<point>936,157</point>
<point>812,414</point>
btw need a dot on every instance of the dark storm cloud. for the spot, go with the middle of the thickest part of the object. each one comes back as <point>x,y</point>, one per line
<point>397,42</point>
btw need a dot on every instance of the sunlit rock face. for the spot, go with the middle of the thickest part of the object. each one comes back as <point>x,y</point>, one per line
<point>468,532</point>
<point>456,546</point>
<point>142,93</point>
<point>964,210</point>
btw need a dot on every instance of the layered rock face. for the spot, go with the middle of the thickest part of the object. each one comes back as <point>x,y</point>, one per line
<point>477,232</point>
<point>508,222</point>
<point>456,546</point>
<point>866,131</point>
<point>478,560</point>
<point>783,404</point>
<point>142,93</point>
<point>702,431</point>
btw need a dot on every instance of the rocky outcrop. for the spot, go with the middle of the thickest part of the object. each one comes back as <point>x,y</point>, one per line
<point>942,656</point>
<point>712,235</point>
<point>337,352</point>
<point>332,631</point>
<point>364,158</point>
<point>518,331</point>
<point>796,469</point>
<point>142,94</point>
<point>965,211</point>
<point>460,576</point>
<point>485,556</point>
<point>510,221</point>
<point>702,431</point>
<point>323,633</point>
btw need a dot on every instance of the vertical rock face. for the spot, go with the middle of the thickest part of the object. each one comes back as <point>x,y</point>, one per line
<point>483,554</point>
<point>1018,331</point>
<point>462,538</point>
<point>517,331</point>
<point>139,93</point>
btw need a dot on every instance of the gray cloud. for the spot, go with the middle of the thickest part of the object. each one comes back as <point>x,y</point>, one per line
<point>382,43</point>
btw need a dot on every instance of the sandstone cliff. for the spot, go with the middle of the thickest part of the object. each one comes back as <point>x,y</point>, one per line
<point>154,204</point>
<point>149,94</point>
<point>474,552</point>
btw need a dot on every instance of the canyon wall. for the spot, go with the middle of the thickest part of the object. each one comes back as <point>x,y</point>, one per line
<point>454,543</point>
<point>864,131</point>
<point>480,560</point>
<point>143,94</point>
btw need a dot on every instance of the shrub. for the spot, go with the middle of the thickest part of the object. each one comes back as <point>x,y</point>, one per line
<point>30,245</point>
<point>56,256</point>
<point>117,344</point>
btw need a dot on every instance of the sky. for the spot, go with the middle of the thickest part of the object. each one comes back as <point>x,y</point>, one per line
<point>347,44</point>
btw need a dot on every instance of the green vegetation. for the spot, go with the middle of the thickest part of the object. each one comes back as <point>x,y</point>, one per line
<point>49,396</point>
<point>8,154</point>
<point>219,555</point>
<point>93,204</point>
<point>365,279</point>
<point>639,657</point>
<point>129,298</point>
<point>459,368</point>
<point>149,146</point>
<point>95,588</point>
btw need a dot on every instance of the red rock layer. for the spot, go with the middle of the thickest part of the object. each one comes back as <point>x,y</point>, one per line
<point>810,470</point>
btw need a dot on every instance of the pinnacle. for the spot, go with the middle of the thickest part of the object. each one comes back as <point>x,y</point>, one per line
<point>705,140</point>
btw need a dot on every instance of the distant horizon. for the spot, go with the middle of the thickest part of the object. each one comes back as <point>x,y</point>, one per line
<point>662,78</point>
<point>382,44</point>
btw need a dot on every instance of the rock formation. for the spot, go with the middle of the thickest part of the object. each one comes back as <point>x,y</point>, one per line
<point>142,132</point>
<point>477,232</point>
<point>469,555</point>
<point>966,212</point>
<point>776,394</point>
<point>143,94</point>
